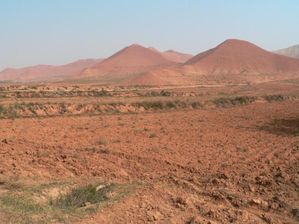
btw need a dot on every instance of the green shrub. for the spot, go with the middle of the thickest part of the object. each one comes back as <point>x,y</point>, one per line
<point>101,93</point>
<point>195,105</point>
<point>271,98</point>
<point>63,108</point>
<point>170,104</point>
<point>151,105</point>
<point>165,93</point>
<point>239,100</point>
<point>2,109</point>
<point>32,108</point>
<point>80,196</point>
<point>155,93</point>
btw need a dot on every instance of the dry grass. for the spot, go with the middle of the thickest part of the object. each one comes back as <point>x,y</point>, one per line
<point>21,203</point>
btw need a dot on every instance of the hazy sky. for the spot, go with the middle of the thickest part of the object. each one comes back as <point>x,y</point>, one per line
<point>60,31</point>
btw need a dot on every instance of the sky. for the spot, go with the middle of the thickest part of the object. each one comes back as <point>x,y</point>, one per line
<point>61,31</point>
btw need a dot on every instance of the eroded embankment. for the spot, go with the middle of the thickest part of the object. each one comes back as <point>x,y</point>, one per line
<point>34,109</point>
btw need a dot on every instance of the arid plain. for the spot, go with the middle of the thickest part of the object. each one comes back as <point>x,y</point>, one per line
<point>222,154</point>
<point>152,137</point>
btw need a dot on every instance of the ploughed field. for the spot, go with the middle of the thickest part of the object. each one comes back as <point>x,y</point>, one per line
<point>222,154</point>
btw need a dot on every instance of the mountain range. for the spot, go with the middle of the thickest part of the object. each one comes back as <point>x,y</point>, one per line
<point>233,61</point>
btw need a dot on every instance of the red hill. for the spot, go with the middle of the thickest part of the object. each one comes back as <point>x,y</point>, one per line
<point>130,60</point>
<point>237,57</point>
<point>233,61</point>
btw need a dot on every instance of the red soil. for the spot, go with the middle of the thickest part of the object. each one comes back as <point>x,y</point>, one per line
<point>224,170</point>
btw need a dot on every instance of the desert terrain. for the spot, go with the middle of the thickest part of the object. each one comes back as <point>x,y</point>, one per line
<point>150,136</point>
<point>137,112</point>
<point>92,153</point>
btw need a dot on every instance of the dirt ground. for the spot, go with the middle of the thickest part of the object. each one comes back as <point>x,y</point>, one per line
<point>217,165</point>
<point>226,154</point>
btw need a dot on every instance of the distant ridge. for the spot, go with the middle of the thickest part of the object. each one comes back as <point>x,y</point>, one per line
<point>233,61</point>
<point>292,51</point>
<point>46,72</point>
<point>177,56</point>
